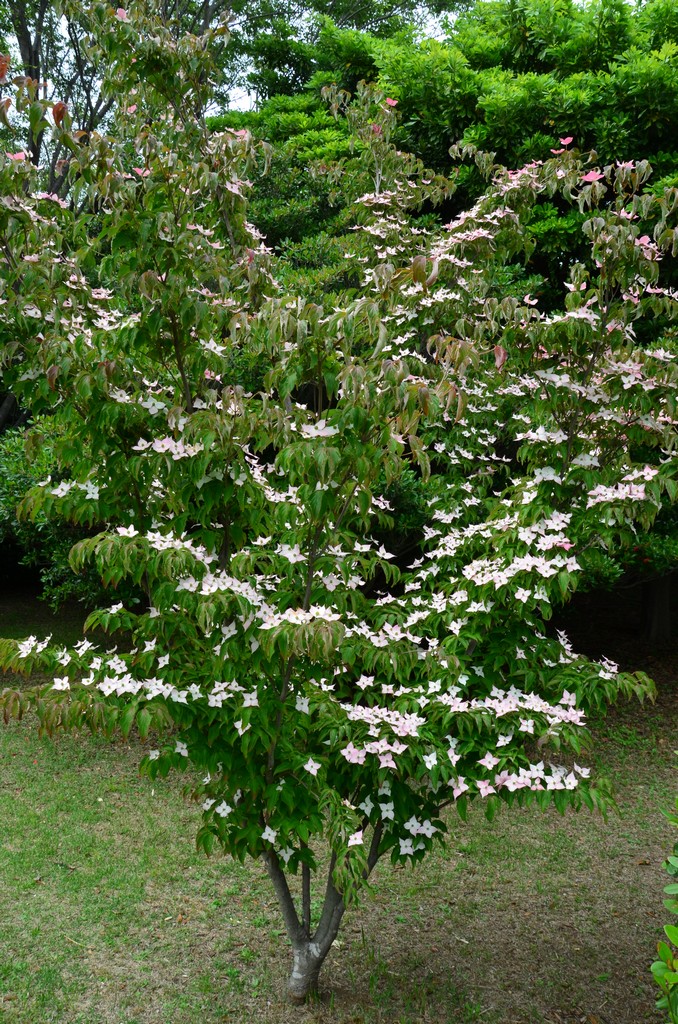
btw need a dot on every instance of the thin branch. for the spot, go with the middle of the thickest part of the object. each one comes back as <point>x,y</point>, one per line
<point>188,398</point>
<point>306,895</point>
<point>373,855</point>
<point>282,891</point>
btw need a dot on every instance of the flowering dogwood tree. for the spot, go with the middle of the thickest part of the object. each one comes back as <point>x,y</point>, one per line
<point>331,699</point>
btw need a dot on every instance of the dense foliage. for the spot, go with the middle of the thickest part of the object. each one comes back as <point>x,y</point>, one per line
<point>511,78</point>
<point>42,544</point>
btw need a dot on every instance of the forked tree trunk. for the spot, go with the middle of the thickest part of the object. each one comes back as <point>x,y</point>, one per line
<point>309,949</point>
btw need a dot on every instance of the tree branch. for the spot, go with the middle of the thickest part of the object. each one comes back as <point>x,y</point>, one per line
<point>282,891</point>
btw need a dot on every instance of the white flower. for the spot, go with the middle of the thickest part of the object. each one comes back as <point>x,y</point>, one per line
<point>319,429</point>
<point>153,755</point>
<point>181,748</point>
<point>26,647</point>
<point>292,552</point>
<point>430,760</point>
<point>504,739</point>
<point>269,834</point>
<point>208,803</point>
<point>367,806</point>
<point>406,847</point>
<point>387,811</point>
<point>127,531</point>
<point>61,684</point>
<point>302,704</point>
<point>223,810</point>
<point>356,839</point>
<point>312,766</point>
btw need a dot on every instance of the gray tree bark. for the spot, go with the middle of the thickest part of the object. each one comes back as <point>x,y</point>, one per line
<point>310,948</point>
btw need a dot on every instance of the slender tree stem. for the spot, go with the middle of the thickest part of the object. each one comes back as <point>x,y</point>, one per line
<point>306,895</point>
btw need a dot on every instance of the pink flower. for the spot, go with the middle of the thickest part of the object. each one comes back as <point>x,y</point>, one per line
<point>566,141</point>
<point>460,787</point>
<point>356,839</point>
<point>353,755</point>
<point>592,176</point>
<point>143,172</point>
<point>121,13</point>
<point>16,156</point>
<point>390,102</point>
<point>489,761</point>
<point>484,788</point>
<point>557,151</point>
<point>132,109</point>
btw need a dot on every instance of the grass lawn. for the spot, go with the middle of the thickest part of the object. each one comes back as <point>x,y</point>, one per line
<point>109,916</point>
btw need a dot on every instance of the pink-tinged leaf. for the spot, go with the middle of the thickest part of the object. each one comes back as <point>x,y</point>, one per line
<point>59,112</point>
<point>500,356</point>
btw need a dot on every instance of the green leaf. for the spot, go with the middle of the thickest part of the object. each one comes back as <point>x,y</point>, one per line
<point>126,719</point>
<point>665,953</point>
<point>144,720</point>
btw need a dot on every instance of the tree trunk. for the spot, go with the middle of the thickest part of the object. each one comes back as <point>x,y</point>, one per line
<point>310,948</point>
<point>303,980</point>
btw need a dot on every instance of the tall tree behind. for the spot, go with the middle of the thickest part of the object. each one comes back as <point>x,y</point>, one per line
<point>48,43</point>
